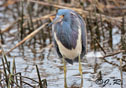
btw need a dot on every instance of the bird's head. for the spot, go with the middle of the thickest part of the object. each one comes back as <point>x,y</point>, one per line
<point>62,15</point>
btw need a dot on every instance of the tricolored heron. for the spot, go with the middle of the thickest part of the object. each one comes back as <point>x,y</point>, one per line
<point>69,32</point>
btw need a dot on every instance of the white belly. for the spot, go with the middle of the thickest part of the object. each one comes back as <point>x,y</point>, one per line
<point>67,53</point>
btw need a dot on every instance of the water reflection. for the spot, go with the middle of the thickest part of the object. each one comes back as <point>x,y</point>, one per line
<point>51,68</point>
<point>109,36</point>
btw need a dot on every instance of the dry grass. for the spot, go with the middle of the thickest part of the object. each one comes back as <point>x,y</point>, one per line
<point>31,18</point>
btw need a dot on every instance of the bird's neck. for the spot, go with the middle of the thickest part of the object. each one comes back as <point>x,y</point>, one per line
<point>66,27</point>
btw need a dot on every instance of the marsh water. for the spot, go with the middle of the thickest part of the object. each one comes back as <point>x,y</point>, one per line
<point>31,53</point>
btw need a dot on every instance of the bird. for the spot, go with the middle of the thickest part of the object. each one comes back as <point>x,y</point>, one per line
<point>70,38</point>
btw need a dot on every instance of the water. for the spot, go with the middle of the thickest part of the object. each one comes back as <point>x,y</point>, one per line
<point>51,66</point>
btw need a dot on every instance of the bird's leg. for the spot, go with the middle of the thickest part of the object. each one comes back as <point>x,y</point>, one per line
<point>80,69</point>
<point>65,70</point>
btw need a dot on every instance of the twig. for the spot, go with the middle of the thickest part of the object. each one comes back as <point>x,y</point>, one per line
<point>108,55</point>
<point>112,19</point>
<point>40,82</point>
<point>121,73</point>
<point>48,46</point>
<point>27,78</point>
<point>110,62</point>
<point>43,17</point>
<point>28,84</point>
<point>39,18</point>
<point>112,54</point>
<point>100,46</point>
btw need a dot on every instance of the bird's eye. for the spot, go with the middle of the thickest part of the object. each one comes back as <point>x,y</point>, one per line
<point>62,16</point>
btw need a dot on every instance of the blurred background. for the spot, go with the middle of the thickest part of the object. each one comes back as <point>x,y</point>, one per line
<point>30,60</point>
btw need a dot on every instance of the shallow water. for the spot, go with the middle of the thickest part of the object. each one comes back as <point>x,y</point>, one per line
<point>51,67</point>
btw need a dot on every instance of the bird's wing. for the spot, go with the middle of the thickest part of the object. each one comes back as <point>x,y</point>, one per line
<point>65,35</point>
<point>82,24</point>
<point>84,35</point>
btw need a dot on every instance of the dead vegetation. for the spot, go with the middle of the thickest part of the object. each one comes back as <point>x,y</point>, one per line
<point>30,19</point>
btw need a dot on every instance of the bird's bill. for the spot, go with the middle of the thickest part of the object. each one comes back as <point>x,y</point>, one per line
<point>52,18</point>
<point>57,19</point>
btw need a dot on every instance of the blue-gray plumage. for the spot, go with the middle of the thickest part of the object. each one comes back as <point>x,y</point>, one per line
<point>69,32</point>
<point>66,31</point>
